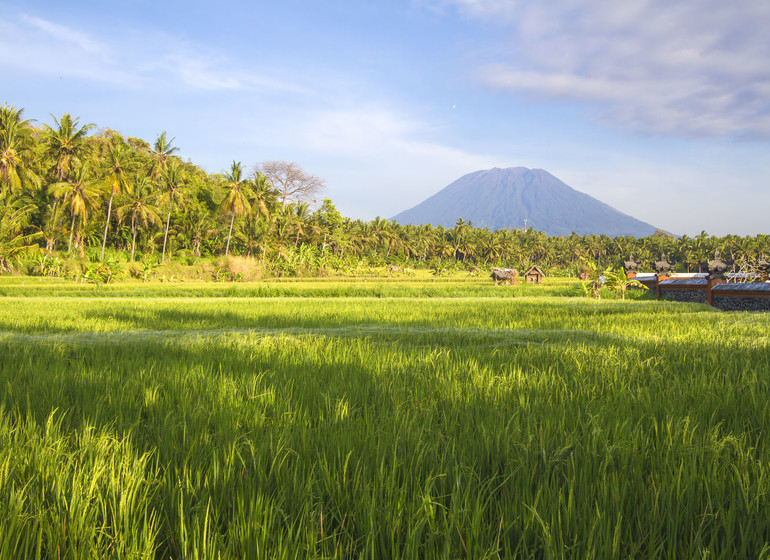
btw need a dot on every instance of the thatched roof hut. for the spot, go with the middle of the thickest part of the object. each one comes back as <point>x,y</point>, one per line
<point>534,275</point>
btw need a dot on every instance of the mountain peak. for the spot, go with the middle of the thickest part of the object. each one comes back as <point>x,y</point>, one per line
<point>510,197</point>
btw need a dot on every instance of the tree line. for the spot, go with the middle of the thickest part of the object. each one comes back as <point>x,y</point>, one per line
<point>71,190</point>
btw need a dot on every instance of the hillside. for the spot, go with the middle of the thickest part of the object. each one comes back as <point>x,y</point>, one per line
<point>509,198</point>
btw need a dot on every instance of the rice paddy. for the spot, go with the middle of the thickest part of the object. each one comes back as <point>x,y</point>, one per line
<point>379,420</point>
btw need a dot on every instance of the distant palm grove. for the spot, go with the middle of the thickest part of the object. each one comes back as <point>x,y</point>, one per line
<point>72,196</point>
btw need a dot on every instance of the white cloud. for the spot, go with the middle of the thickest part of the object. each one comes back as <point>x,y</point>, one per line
<point>35,45</point>
<point>125,58</point>
<point>379,160</point>
<point>64,34</point>
<point>682,68</point>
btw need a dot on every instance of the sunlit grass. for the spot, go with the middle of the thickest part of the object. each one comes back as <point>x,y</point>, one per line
<point>395,427</point>
<point>290,287</point>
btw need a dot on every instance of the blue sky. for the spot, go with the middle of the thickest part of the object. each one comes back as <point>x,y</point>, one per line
<point>659,109</point>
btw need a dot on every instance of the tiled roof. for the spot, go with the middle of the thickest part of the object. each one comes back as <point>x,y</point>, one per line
<point>763,287</point>
<point>683,282</point>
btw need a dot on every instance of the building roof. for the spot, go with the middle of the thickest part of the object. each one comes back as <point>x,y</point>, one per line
<point>760,287</point>
<point>683,282</point>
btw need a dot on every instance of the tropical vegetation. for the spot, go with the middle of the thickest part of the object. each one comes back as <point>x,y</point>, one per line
<point>75,192</point>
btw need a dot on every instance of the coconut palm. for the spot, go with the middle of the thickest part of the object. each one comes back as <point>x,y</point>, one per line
<point>15,150</point>
<point>81,192</point>
<point>236,200</point>
<point>264,197</point>
<point>139,204</point>
<point>282,221</point>
<point>14,218</point>
<point>65,145</point>
<point>490,247</point>
<point>253,233</point>
<point>195,225</point>
<point>117,179</point>
<point>50,226</point>
<point>173,181</point>
<point>162,152</point>
<point>299,219</point>
<point>360,234</point>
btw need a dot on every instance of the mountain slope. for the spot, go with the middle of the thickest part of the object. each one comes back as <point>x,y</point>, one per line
<point>499,198</point>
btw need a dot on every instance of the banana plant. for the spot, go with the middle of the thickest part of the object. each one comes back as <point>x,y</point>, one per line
<point>617,281</point>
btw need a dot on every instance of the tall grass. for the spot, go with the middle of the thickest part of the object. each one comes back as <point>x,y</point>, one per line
<point>382,428</point>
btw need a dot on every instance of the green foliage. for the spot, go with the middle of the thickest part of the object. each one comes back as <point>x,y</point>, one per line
<point>592,285</point>
<point>121,194</point>
<point>16,152</point>
<point>149,265</point>
<point>614,280</point>
<point>14,216</point>
<point>48,265</point>
<point>617,281</point>
<point>101,272</point>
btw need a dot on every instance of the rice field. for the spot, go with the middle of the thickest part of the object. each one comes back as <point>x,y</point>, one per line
<point>360,420</point>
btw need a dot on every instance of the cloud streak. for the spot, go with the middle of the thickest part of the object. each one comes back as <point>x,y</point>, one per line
<point>63,34</point>
<point>685,69</point>
<point>125,59</point>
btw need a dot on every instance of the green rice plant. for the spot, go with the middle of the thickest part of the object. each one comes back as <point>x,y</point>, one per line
<point>73,494</point>
<point>325,288</point>
<point>397,427</point>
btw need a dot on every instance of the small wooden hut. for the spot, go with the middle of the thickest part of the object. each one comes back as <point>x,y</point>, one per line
<point>534,275</point>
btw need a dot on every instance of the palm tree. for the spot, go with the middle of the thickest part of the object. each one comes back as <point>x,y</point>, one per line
<point>237,198</point>
<point>457,236</point>
<point>264,196</point>
<point>50,226</point>
<point>253,233</point>
<point>161,154</point>
<point>299,218</point>
<point>490,247</point>
<point>139,204</point>
<point>117,180</point>
<point>282,220</point>
<point>14,217</point>
<point>15,150</point>
<point>360,235</point>
<point>173,180</point>
<point>81,192</point>
<point>66,145</point>
<point>195,225</point>
<point>426,237</point>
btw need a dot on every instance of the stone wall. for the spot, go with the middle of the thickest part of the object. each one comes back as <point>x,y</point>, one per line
<point>737,303</point>
<point>742,297</point>
<point>691,290</point>
<point>728,296</point>
<point>690,296</point>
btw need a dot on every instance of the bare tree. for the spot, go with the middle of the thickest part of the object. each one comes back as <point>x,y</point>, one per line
<point>291,182</point>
